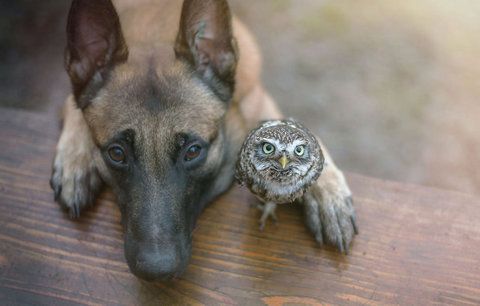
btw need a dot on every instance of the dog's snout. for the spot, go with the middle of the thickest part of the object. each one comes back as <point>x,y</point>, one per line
<point>157,240</point>
<point>157,260</point>
<point>152,265</point>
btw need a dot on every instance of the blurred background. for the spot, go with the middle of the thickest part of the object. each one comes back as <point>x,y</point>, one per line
<point>392,87</point>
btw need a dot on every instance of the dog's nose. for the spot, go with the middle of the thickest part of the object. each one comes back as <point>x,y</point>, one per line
<point>151,265</point>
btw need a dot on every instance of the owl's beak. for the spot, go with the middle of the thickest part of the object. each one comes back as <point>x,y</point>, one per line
<point>283,161</point>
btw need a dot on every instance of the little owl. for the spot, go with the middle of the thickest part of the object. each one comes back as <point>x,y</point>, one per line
<point>278,162</point>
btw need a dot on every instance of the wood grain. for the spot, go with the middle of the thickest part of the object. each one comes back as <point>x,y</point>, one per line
<point>417,245</point>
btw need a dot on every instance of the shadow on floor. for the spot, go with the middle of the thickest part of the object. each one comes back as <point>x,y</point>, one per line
<point>31,53</point>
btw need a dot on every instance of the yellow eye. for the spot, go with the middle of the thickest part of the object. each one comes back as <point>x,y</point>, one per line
<point>300,150</point>
<point>268,148</point>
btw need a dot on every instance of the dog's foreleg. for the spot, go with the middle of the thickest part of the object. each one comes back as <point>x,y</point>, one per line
<point>75,178</point>
<point>329,211</point>
<point>328,204</point>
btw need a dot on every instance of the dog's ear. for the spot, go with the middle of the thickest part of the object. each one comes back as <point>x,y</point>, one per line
<point>206,42</point>
<point>94,45</point>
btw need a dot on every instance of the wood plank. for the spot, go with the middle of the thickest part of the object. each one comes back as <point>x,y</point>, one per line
<point>417,245</point>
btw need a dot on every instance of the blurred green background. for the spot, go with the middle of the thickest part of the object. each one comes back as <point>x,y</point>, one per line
<point>392,87</point>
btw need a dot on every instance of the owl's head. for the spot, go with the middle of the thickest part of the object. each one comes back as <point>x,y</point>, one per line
<point>284,151</point>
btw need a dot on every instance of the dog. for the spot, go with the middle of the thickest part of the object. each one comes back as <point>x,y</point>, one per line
<point>163,95</point>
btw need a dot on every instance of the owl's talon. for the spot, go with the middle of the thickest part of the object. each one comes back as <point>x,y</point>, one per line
<point>262,226</point>
<point>268,211</point>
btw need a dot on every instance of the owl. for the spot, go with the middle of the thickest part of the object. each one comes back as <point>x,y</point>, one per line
<point>278,162</point>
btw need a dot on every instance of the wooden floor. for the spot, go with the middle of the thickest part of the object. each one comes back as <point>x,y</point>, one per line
<point>416,245</point>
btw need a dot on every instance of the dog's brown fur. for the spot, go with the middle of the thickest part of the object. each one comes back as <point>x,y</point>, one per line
<point>162,74</point>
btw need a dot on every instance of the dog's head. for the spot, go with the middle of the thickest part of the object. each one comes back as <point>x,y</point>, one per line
<point>157,117</point>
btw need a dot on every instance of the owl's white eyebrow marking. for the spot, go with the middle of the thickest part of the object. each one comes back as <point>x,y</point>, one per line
<point>278,145</point>
<point>295,143</point>
<point>272,123</point>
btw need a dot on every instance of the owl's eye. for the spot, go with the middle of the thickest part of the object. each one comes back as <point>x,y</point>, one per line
<point>300,150</point>
<point>268,148</point>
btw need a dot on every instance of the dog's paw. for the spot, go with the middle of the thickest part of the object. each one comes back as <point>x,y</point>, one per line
<point>329,211</point>
<point>75,183</point>
<point>75,179</point>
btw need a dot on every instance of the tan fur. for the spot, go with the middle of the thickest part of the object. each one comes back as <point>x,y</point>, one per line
<point>77,155</point>
<point>150,29</point>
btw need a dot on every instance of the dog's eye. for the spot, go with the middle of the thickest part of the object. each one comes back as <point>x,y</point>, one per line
<point>193,152</point>
<point>116,154</point>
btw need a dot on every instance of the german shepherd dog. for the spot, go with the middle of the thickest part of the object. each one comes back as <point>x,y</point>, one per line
<point>163,97</point>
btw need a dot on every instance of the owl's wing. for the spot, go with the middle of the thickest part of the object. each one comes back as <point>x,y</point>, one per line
<point>238,173</point>
<point>239,169</point>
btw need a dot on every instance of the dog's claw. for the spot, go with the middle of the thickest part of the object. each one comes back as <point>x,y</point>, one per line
<point>353,219</point>
<point>57,190</point>
<point>319,239</point>
<point>340,247</point>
